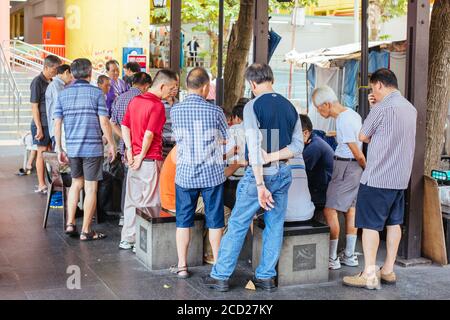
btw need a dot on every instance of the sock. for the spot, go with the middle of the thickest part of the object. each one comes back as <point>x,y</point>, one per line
<point>333,248</point>
<point>350,245</point>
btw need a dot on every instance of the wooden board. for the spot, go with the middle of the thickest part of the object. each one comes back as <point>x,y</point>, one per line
<point>433,240</point>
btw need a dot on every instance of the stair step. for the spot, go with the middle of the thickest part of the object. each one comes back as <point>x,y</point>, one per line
<point>9,135</point>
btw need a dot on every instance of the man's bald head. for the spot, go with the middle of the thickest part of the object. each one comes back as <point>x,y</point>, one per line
<point>197,79</point>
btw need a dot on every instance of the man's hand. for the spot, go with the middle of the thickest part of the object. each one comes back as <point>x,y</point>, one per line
<point>137,162</point>
<point>62,157</point>
<point>372,100</point>
<point>129,157</point>
<point>265,198</point>
<point>267,157</point>
<point>111,153</point>
<point>39,134</point>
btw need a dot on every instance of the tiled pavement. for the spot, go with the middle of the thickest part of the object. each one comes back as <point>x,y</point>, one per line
<point>34,261</point>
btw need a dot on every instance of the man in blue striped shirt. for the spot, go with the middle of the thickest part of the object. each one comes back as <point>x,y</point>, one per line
<point>390,131</point>
<point>83,109</point>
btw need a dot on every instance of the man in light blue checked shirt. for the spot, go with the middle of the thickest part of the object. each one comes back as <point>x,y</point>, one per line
<point>200,131</point>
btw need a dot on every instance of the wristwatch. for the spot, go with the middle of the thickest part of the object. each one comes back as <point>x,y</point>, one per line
<point>260,184</point>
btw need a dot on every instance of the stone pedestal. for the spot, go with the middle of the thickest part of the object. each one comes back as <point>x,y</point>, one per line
<point>304,255</point>
<point>156,239</point>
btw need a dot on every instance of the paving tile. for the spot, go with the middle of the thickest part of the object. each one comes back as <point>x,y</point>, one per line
<point>96,292</point>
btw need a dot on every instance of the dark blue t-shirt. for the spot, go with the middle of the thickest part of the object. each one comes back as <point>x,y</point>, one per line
<point>318,156</point>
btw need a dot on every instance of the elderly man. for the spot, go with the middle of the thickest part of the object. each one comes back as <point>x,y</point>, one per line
<point>62,79</point>
<point>118,86</point>
<point>349,162</point>
<point>82,108</point>
<point>39,123</point>
<point>142,128</point>
<point>200,129</point>
<point>390,131</point>
<point>141,83</point>
<point>272,126</point>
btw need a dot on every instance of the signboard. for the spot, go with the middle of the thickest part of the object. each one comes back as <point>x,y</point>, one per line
<point>139,58</point>
<point>127,51</point>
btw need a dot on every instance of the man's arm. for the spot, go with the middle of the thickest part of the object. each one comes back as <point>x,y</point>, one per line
<point>295,148</point>
<point>256,160</point>
<point>358,154</point>
<point>146,143</point>
<point>107,133</point>
<point>114,120</point>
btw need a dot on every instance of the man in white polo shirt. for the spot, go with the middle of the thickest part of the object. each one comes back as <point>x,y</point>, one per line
<point>349,162</point>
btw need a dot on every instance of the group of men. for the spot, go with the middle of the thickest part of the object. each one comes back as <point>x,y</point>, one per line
<point>263,149</point>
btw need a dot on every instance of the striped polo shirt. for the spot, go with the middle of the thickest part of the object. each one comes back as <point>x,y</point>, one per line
<point>391,127</point>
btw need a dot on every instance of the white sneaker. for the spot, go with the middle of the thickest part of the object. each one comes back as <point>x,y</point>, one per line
<point>334,264</point>
<point>125,245</point>
<point>349,261</point>
<point>134,249</point>
<point>121,221</point>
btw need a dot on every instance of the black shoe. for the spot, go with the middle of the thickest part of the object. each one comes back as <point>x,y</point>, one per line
<point>265,284</point>
<point>219,285</point>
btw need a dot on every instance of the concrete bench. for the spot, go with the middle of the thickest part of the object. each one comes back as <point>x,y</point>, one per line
<point>304,255</point>
<point>156,239</point>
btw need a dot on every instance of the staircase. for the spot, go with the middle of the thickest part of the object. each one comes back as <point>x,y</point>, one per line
<point>20,62</point>
<point>15,122</point>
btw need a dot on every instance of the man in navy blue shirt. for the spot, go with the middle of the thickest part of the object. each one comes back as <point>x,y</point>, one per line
<point>318,156</point>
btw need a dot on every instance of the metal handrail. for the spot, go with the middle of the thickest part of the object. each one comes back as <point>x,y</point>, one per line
<point>32,59</point>
<point>13,90</point>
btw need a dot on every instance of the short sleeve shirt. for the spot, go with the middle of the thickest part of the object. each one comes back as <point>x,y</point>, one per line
<point>38,88</point>
<point>348,126</point>
<point>146,113</point>
<point>80,106</point>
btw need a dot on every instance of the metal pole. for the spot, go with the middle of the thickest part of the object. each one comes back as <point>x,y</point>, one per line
<point>416,93</point>
<point>219,80</point>
<point>261,32</point>
<point>363,108</point>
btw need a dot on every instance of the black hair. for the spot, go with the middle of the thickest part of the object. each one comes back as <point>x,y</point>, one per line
<point>306,123</point>
<point>101,79</point>
<point>63,68</point>
<point>238,111</point>
<point>197,78</point>
<point>133,67</point>
<point>164,76</point>
<point>51,61</point>
<point>110,62</point>
<point>141,78</point>
<point>259,73</point>
<point>81,68</point>
<point>386,77</point>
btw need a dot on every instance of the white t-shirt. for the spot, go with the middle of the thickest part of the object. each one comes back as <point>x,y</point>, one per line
<point>348,127</point>
<point>300,206</point>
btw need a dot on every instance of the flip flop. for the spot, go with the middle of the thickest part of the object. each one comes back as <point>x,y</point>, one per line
<point>91,236</point>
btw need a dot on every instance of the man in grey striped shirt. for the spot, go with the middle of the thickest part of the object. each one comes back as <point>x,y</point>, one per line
<point>390,131</point>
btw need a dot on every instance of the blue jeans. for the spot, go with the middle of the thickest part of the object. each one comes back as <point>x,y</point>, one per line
<point>246,206</point>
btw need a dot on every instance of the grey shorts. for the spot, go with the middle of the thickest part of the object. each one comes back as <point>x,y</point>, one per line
<point>89,168</point>
<point>344,185</point>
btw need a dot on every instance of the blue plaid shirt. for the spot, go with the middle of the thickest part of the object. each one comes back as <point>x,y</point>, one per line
<point>200,129</point>
<point>119,108</point>
<point>80,106</point>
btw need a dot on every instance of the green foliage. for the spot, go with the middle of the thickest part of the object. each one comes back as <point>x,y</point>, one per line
<point>392,8</point>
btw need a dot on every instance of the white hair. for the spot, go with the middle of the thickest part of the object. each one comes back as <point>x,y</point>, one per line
<point>323,95</point>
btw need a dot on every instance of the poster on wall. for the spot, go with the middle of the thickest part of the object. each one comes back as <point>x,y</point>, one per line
<point>128,51</point>
<point>139,58</point>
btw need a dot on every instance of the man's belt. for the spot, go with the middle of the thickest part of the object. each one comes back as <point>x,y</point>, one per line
<point>344,159</point>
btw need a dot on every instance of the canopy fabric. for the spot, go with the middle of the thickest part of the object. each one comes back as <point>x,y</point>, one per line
<point>323,57</point>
